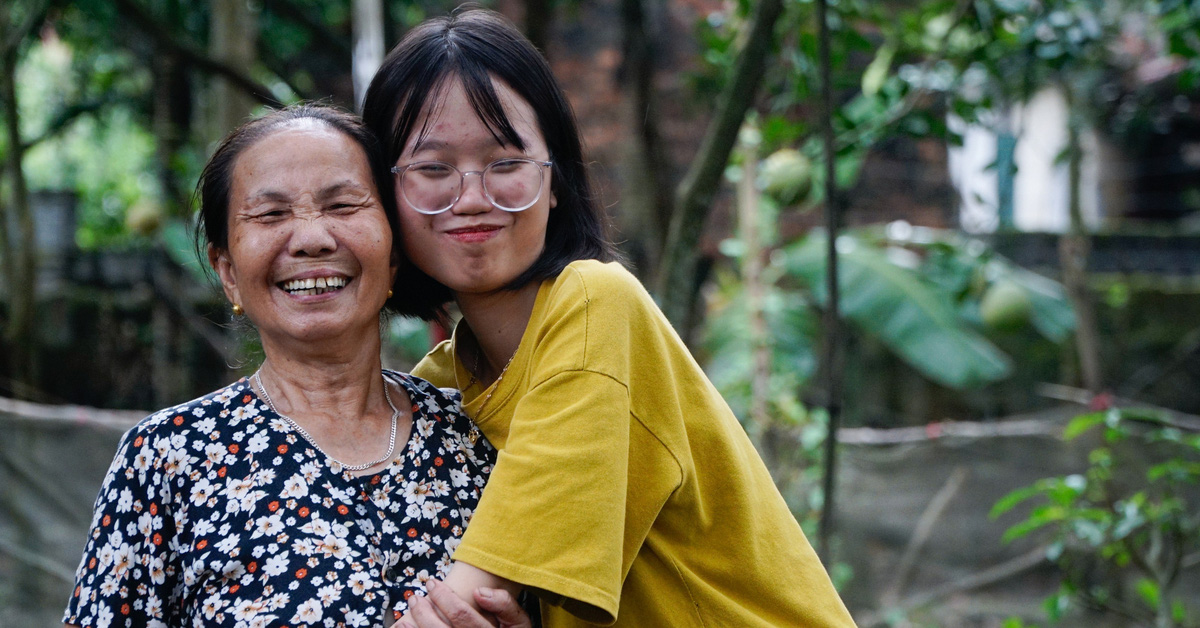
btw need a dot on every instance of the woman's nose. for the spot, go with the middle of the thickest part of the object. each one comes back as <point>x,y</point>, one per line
<point>472,199</point>
<point>311,236</point>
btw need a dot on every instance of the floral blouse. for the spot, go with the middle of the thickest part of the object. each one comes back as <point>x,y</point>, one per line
<point>218,513</point>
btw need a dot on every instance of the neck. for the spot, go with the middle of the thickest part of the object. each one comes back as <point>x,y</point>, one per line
<point>497,322</point>
<point>323,382</point>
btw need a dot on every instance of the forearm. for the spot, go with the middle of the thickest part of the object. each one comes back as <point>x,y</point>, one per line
<point>462,583</point>
<point>464,579</point>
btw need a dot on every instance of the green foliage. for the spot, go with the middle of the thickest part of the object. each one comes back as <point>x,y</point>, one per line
<point>1122,530</point>
<point>918,294</point>
<point>891,302</point>
<point>108,159</point>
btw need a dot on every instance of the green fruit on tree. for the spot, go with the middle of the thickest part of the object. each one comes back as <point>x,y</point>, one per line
<point>786,176</point>
<point>1005,306</point>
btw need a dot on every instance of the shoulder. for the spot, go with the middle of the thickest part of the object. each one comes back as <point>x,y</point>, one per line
<point>200,416</point>
<point>592,278</point>
<point>598,291</point>
<point>429,397</point>
<point>440,410</point>
<point>437,366</point>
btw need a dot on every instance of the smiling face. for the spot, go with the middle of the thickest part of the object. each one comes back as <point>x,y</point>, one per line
<point>310,251</point>
<point>474,248</point>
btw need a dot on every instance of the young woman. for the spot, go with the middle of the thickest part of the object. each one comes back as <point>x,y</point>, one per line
<point>624,490</point>
<point>323,490</point>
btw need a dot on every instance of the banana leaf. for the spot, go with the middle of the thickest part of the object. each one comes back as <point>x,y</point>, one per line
<point>891,303</point>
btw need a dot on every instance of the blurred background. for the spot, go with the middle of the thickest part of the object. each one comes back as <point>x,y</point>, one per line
<point>1013,368</point>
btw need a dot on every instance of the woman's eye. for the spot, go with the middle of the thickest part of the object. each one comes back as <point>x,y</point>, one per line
<point>432,170</point>
<point>506,165</point>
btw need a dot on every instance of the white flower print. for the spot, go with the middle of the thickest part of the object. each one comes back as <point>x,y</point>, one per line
<point>216,513</point>
<point>258,442</point>
<point>294,487</point>
<point>226,544</point>
<point>202,490</point>
<point>415,492</point>
<point>459,478</point>
<point>329,594</point>
<point>125,503</point>
<point>276,564</point>
<point>335,546</point>
<point>122,561</point>
<point>268,526</point>
<point>309,611</point>
<point>360,582</point>
<point>247,609</point>
<point>431,509</point>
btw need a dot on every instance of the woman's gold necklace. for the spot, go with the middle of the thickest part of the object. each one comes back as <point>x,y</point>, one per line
<point>312,441</point>
<point>495,384</point>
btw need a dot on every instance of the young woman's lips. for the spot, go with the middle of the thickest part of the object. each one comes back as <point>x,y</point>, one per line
<point>473,234</point>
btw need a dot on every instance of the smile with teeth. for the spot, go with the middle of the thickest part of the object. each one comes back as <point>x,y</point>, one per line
<point>313,285</point>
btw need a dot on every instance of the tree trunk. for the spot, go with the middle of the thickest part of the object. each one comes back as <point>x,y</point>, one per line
<point>172,106</point>
<point>1074,250</point>
<point>538,16</point>
<point>646,198</point>
<point>368,46</point>
<point>232,37</point>
<point>750,230</point>
<point>20,262</point>
<point>679,275</point>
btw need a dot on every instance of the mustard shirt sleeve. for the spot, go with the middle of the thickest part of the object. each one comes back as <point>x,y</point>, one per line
<point>553,512</point>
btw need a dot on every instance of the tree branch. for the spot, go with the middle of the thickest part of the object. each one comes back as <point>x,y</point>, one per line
<point>989,576</point>
<point>65,118</point>
<point>677,272</point>
<point>14,34</point>
<point>289,11</point>
<point>193,54</point>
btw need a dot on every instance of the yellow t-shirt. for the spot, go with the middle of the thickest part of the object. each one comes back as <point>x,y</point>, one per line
<point>625,491</point>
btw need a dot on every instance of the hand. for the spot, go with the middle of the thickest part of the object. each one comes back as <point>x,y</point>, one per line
<point>442,608</point>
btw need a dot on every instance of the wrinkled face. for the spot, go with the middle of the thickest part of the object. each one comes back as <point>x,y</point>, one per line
<point>310,250</point>
<point>474,248</point>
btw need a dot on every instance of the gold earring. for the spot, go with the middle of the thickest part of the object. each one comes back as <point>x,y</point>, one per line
<point>389,294</point>
<point>237,310</point>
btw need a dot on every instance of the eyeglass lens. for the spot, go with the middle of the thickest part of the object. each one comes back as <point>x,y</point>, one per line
<point>510,184</point>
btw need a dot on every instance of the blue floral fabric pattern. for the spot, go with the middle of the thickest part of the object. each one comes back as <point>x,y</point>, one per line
<point>218,513</point>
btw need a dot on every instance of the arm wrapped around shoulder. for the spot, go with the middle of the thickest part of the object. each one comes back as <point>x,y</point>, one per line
<point>553,514</point>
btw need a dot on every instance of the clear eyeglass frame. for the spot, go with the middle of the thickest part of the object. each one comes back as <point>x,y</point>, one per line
<point>400,172</point>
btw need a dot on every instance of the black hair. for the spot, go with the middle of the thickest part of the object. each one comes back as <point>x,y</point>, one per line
<point>216,180</point>
<point>474,46</point>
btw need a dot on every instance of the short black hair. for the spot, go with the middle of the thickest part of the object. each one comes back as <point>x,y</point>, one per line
<point>474,46</point>
<point>216,180</point>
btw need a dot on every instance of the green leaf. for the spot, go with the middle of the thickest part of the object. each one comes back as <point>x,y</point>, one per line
<point>877,71</point>
<point>1081,424</point>
<point>1149,591</point>
<point>1051,313</point>
<point>892,303</point>
<point>1010,501</point>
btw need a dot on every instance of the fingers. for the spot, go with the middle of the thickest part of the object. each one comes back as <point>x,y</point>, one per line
<point>421,614</point>
<point>504,606</point>
<point>457,612</point>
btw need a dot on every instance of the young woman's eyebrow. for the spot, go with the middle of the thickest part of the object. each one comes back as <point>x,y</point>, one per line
<point>434,144</point>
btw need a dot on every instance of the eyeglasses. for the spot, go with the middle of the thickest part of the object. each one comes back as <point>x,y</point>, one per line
<point>512,184</point>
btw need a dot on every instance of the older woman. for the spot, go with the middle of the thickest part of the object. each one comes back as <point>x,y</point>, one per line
<point>323,490</point>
